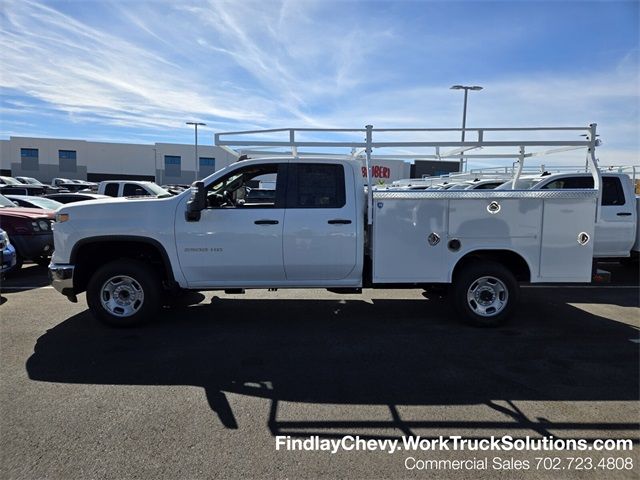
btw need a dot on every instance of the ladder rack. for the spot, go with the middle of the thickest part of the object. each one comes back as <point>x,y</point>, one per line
<point>521,143</point>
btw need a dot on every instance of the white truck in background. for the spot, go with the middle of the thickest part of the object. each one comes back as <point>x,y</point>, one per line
<point>324,229</point>
<point>131,188</point>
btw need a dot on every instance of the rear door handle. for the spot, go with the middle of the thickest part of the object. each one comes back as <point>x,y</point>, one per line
<point>624,214</point>
<point>339,221</point>
<point>266,222</point>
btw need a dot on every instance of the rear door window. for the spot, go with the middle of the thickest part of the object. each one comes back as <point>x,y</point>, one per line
<point>612,191</point>
<point>111,189</point>
<point>316,185</point>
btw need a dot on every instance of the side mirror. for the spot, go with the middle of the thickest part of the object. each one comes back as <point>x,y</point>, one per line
<point>196,203</point>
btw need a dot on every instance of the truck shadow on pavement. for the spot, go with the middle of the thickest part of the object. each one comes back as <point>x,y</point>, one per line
<point>353,352</point>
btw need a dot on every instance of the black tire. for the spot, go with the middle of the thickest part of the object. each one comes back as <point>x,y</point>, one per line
<point>131,277</point>
<point>485,293</point>
<point>630,262</point>
<point>19,263</point>
<point>42,261</point>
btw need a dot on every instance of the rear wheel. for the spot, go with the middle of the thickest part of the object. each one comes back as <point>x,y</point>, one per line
<point>485,293</point>
<point>124,293</point>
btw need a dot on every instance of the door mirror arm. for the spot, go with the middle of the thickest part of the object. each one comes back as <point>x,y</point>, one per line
<point>196,203</point>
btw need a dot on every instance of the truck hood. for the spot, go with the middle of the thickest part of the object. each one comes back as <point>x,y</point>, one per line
<point>20,212</point>
<point>110,202</point>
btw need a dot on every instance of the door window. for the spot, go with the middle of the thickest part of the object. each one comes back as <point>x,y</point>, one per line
<point>316,185</point>
<point>133,190</point>
<point>254,186</point>
<point>612,192</point>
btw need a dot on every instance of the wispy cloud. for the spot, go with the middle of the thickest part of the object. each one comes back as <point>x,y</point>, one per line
<point>142,68</point>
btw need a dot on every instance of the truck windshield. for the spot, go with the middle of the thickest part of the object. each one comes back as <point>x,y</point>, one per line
<point>158,190</point>
<point>521,184</point>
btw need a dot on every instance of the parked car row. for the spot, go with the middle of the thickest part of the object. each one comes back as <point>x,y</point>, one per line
<point>29,186</point>
<point>28,230</point>
<point>27,212</point>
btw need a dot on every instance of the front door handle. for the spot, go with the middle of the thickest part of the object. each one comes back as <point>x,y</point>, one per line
<point>624,214</point>
<point>339,221</point>
<point>266,222</point>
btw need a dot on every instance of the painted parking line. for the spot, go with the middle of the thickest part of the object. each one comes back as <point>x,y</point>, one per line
<point>581,286</point>
<point>17,289</point>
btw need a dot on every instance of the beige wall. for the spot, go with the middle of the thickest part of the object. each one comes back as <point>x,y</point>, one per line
<point>96,158</point>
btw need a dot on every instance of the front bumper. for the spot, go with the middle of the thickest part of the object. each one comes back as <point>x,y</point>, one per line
<point>7,258</point>
<point>61,278</point>
<point>33,246</point>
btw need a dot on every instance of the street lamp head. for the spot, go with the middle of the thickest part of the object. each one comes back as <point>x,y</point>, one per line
<point>195,123</point>
<point>464,87</point>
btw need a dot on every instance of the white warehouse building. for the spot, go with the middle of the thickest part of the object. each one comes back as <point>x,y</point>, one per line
<point>165,163</point>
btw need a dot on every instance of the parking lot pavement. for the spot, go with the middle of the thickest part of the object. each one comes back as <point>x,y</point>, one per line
<point>203,391</point>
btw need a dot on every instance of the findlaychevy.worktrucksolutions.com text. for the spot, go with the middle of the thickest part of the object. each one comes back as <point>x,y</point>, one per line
<point>504,443</point>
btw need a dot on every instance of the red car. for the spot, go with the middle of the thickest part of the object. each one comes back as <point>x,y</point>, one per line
<point>29,230</point>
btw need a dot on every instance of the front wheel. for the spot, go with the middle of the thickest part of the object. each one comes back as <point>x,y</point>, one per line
<point>485,293</point>
<point>124,293</point>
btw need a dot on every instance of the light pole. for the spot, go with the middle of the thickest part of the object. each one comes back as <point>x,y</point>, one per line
<point>155,164</point>
<point>464,111</point>
<point>195,124</point>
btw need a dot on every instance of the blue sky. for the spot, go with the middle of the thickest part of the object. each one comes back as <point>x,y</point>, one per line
<point>134,71</point>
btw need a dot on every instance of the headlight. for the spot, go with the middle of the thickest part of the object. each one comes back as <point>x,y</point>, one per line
<point>43,224</point>
<point>35,226</point>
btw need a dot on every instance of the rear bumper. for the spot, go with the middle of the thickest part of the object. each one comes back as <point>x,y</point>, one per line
<point>61,278</point>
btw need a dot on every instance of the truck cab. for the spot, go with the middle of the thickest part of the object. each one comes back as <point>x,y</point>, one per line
<point>131,188</point>
<point>309,231</point>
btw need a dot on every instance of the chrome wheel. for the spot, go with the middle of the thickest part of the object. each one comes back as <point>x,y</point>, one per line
<point>121,296</point>
<point>487,296</point>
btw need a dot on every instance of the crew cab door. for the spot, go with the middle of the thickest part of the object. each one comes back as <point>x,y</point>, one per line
<point>236,242</point>
<point>320,227</point>
<point>615,232</point>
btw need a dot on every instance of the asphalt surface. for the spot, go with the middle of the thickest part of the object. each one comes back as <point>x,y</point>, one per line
<point>204,390</point>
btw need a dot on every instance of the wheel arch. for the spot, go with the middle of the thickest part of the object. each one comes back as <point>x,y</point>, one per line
<point>510,259</point>
<point>90,253</point>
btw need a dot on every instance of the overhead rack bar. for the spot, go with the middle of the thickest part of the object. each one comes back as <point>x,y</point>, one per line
<point>589,142</point>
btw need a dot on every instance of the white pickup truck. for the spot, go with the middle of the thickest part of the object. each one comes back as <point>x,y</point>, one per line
<point>131,188</point>
<point>323,229</point>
